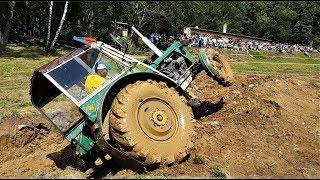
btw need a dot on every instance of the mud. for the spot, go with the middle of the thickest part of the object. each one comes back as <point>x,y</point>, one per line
<point>268,127</point>
<point>204,108</point>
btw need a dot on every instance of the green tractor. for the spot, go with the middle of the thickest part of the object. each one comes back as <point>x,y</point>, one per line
<point>140,115</point>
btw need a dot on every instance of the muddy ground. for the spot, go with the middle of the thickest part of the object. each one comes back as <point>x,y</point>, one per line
<point>269,127</point>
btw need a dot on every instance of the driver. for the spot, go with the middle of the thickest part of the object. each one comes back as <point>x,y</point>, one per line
<point>94,81</point>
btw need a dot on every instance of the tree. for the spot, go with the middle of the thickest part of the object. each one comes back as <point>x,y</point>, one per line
<point>302,33</point>
<point>140,9</point>
<point>279,21</point>
<point>283,21</point>
<point>49,24</point>
<point>4,37</point>
<point>60,26</point>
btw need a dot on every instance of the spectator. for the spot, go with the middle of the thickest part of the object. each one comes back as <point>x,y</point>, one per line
<point>152,38</point>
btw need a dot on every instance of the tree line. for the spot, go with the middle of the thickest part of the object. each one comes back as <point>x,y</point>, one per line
<point>286,22</point>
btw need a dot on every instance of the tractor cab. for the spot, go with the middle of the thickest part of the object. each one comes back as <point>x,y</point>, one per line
<point>59,88</point>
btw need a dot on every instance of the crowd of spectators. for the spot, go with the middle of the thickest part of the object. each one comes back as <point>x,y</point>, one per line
<point>294,48</point>
<point>161,41</point>
<point>196,40</point>
<point>240,45</point>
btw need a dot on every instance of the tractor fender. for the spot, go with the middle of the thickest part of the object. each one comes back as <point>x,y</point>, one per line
<point>102,118</point>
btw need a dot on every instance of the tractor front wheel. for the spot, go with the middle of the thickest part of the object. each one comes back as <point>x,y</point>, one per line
<point>224,74</point>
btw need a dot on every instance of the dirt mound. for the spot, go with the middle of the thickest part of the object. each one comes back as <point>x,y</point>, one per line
<point>261,130</point>
<point>27,134</point>
<point>25,143</point>
<point>268,127</point>
<point>21,135</point>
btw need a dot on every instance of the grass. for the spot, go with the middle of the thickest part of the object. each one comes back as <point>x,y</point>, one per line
<point>16,68</point>
<point>275,68</point>
<point>276,53</point>
<point>277,59</point>
<point>271,62</point>
<point>217,172</point>
<point>19,62</point>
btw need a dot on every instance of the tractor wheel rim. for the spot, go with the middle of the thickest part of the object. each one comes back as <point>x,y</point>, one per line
<point>157,119</point>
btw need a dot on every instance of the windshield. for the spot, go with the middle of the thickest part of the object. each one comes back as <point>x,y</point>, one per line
<point>79,77</point>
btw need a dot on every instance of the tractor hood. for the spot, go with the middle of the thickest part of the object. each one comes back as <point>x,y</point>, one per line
<point>42,90</point>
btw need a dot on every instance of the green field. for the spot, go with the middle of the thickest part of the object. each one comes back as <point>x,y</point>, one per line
<point>270,62</point>
<point>18,64</point>
<point>16,68</point>
<point>269,68</point>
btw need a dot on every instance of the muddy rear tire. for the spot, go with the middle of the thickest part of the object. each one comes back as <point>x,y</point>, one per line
<point>152,123</point>
<point>224,74</point>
